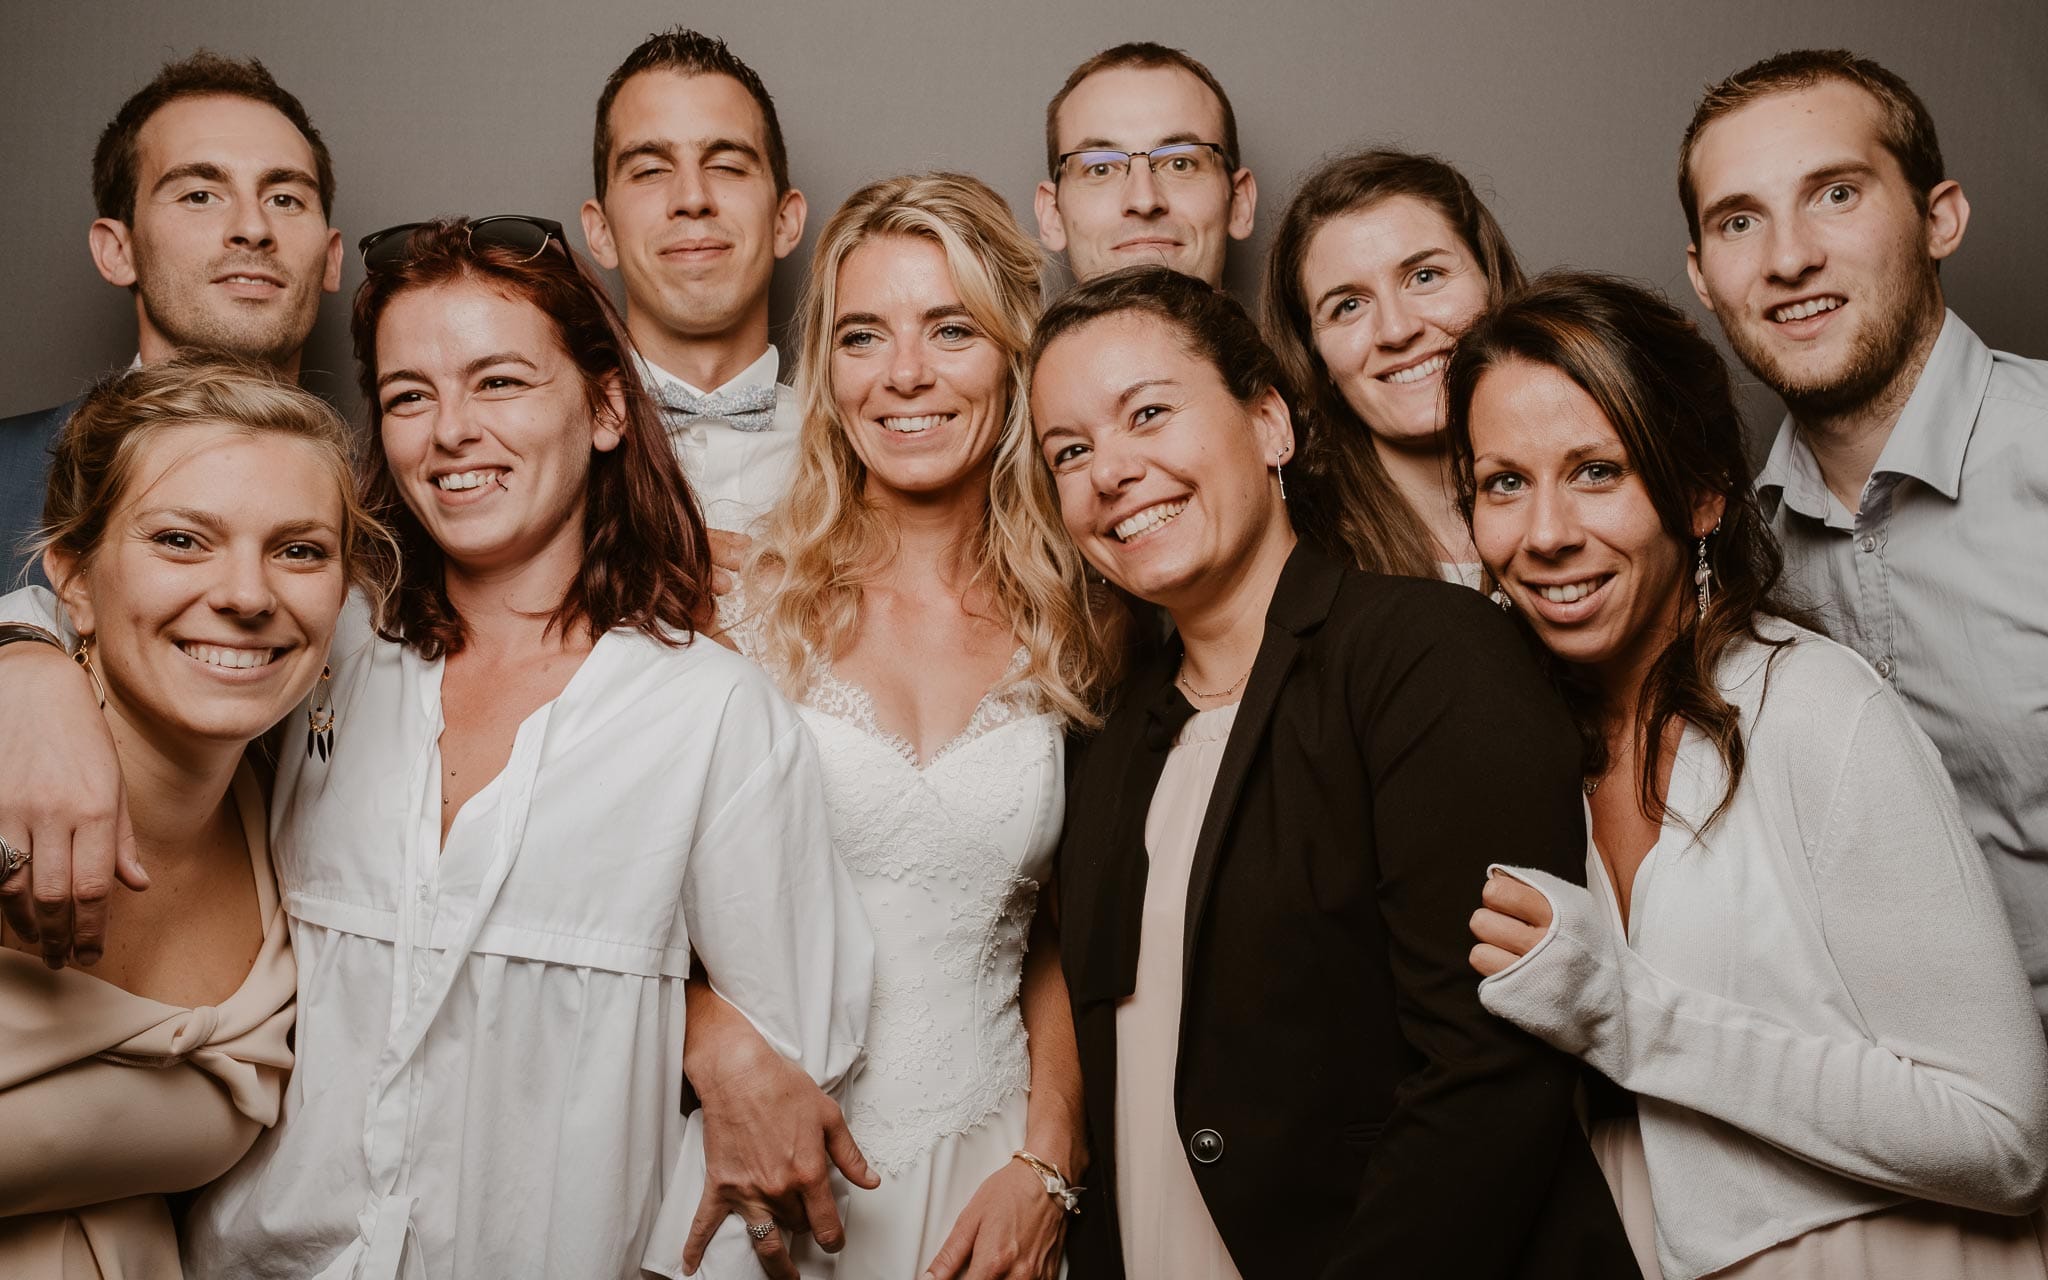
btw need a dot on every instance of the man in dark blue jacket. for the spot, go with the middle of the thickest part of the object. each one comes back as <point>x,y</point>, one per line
<point>213,190</point>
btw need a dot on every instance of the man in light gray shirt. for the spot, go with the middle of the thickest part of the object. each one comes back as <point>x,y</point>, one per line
<point>1909,482</point>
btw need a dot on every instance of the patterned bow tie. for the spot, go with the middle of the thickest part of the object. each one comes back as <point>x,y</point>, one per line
<point>746,408</point>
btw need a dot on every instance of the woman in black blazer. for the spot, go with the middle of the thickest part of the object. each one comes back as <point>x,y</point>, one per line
<point>1344,1105</point>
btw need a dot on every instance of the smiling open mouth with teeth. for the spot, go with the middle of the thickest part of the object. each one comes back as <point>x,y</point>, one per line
<point>1573,592</point>
<point>1801,310</point>
<point>214,655</point>
<point>912,426</point>
<point>467,479</point>
<point>1417,372</point>
<point>1147,520</point>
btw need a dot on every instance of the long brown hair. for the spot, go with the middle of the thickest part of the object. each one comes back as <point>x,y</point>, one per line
<point>646,564</point>
<point>1664,389</point>
<point>1348,502</point>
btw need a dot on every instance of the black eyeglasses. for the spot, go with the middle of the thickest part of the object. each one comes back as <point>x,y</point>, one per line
<point>525,235</point>
<point>1174,162</point>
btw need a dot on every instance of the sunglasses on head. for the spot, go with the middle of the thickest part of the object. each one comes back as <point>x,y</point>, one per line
<point>523,234</point>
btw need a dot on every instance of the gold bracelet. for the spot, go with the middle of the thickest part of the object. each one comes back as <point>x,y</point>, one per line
<point>1056,1184</point>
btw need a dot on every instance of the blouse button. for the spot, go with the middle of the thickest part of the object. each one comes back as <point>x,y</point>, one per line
<point>1869,543</point>
<point>1884,668</point>
<point>1206,1146</point>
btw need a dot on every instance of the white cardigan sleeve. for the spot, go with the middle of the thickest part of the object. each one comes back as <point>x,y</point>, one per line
<point>1948,1098</point>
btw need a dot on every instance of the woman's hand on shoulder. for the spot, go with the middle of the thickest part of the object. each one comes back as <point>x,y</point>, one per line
<point>1512,919</point>
<point>1011,1230</point>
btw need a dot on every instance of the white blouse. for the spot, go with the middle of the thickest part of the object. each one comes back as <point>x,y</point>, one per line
<point>490,1034</point>
<point>1818,1005</point>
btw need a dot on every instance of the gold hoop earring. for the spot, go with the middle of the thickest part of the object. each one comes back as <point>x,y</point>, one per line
<point>84,659</point>
<point>320,718</point>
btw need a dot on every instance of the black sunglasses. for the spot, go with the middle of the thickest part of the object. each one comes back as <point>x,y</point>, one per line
<point>525,235</point>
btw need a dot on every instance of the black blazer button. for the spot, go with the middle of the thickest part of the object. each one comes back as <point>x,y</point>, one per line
<point>1206,1146</point>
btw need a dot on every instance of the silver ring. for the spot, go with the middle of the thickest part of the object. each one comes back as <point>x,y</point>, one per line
<point>11,858</point>
<point>761,1230</point>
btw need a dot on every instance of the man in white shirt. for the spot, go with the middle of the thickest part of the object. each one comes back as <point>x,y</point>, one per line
<point>1907,481</point>
<point>213,190</point>
<point>1142,166</point>
<point>694,208</point>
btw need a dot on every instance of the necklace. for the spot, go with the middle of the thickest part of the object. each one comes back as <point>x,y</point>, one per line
<point>1182,680</point>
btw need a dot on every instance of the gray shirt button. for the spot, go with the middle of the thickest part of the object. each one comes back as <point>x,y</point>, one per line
<point>1884,667</point>
<point>1869,543</point>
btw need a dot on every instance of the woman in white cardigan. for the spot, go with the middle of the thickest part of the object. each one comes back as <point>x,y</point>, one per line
<point>1791,954</point>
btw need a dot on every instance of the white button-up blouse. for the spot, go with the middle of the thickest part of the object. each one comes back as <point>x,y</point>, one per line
<point>490,1035</point>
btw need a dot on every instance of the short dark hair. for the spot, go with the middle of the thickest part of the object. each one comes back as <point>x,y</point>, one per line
<point>687,53</point>
<point>1906,129</point>
<point>646,561</point>
<point>1137,53</point>
<point>205,74</point>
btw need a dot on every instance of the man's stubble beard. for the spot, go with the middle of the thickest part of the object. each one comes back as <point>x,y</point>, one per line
<point>1880,350</point>
<point>196,328</point>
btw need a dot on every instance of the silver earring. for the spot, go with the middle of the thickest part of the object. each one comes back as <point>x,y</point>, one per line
<point>1280,473</point>
<point>1500,597</point>
<point>1702,578</point>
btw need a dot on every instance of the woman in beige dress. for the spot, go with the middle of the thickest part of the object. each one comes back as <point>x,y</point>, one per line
<point>202,533</point>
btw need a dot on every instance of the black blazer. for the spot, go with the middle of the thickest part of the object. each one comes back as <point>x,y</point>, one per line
<point>1348,1107</point>
<point>24,470</point>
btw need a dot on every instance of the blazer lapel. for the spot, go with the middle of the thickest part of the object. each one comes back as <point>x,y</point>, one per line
<point>1118,866</point>
<point>1301,600</point>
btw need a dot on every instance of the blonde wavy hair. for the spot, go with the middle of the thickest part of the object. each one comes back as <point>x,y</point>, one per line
<point>824,539</point>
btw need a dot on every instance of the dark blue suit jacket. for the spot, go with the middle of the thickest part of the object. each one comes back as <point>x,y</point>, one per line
<point>24,468</point>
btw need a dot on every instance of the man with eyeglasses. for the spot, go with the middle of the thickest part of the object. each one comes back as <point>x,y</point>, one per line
<point>213,190</point>
<point>1142,166</point>
<point>694,208</point>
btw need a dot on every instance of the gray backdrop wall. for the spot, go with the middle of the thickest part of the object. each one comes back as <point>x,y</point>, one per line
<point>1567,112</point>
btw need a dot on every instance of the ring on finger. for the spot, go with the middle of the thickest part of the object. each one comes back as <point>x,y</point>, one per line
<point>761,1230</point>
<point>11,858</point>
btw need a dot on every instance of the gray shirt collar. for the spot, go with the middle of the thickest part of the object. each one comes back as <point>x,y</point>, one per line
<point>1927,443</point>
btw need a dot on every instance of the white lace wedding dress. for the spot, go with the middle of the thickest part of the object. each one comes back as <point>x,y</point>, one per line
<point>948,856</point>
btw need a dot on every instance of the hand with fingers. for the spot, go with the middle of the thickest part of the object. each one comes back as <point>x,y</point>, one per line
<point>771,1140</point>
<point>1512,919</point>
<point>728,556</point>
<point>63,809</point>
<point>1011,1229</point>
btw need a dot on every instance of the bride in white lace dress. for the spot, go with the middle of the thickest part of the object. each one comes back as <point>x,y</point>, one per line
<point>914,595</point>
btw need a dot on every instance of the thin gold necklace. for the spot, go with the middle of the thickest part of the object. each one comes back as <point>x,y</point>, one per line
<point>1182,680</point>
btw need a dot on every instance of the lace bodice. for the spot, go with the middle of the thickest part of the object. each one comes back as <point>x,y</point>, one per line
<point>948,858</point>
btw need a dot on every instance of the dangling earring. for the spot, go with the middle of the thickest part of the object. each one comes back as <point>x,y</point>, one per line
<point>1702,577</point>
<point>84,659</point>
<point>1500,597</point>
<point>320,718</point>
<point>1280,473</point>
